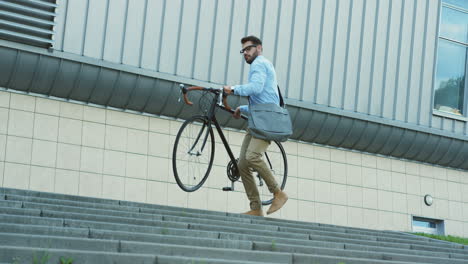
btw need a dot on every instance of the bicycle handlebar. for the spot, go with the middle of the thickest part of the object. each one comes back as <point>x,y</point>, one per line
<point>212,90</point>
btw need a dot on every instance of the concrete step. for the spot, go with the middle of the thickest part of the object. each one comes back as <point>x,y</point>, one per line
<point>256,224</point>
<point>35,220</point>
<point>172,224</point>
<point>26,255</point>
<point>168,210</point>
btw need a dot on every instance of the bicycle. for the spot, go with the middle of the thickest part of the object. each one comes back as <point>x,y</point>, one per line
<point>194,149</point>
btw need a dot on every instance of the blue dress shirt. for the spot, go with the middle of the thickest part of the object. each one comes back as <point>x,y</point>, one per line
<point>262,85</point>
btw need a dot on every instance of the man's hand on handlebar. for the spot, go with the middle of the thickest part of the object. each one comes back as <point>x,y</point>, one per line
<point>237,113</point>
<point>227,90</point>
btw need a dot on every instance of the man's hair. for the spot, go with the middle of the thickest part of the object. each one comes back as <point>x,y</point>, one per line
<point>253,39</point>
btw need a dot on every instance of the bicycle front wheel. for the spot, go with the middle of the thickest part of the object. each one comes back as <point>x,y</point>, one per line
<point>275,158</point>
<point>193,153</point>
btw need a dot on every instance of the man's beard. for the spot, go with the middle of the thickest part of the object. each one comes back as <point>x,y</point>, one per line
<point>251,59</point>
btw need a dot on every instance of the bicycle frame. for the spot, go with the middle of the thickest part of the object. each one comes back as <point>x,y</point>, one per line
<point>220,101</point>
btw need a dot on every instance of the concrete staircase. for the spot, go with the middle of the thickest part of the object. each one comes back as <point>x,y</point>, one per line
<point>38,227</point>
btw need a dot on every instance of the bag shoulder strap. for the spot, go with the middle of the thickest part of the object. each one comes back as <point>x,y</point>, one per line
<point>280,97</point>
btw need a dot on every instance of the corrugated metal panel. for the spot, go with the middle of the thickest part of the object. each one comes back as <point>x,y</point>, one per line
<point>371,57</point>
<point>73,77</point>
<point>31,22</point>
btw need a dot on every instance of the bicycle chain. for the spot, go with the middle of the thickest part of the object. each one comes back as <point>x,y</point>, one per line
<point>232,171</point>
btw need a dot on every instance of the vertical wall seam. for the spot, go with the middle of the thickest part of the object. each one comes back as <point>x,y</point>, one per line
<point>434,65</point>
<point>85,28</point>
<point>348,36</point>
<point>385,72</point>
<point>181,13</point>
<point>55,78</point>
<point>197,29</point>
<point>228,52</point>
<point>332,64</point>
<point>76,82</point>
<point>122,48</point>
<point>106,21</point>
<point>262,27</point>
<point>291,40</point>
<point>369,95</point>
<point>150,95</point>
<point>358,78</point>
<point>94,86</point>
<point>319,57</point>
<point>161,35</point>
<point>304,56</point>
<point>408,86</point>
<point>65,24</point>
<point>423,58</point>
<point>114,87</point>
<point>247,19</point>
<point>15,69</point>
<point>213,37</point>
<point>397,77</point>
<point>278,21</point>
<point>36,69</point>
<point>142,40</point>
<point>134,88</point>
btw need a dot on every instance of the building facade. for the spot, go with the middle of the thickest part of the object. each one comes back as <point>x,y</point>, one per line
<point>376,90</point>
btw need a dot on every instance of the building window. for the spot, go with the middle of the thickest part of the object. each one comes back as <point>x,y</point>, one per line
<point>451,90</point>
<point>428,226</point>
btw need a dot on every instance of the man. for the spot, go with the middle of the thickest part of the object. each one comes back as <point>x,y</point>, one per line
<point>261,88</point>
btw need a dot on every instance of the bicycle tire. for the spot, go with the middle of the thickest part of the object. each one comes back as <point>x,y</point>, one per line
<point>187,142</point>
<point>278,163</point>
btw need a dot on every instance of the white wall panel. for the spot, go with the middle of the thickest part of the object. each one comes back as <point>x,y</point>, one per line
<point>134,29</point>
<point>188,38</point>
<point>364,61</point>
<point>401,90</point>
<point>427,87</point>
<point>220,41</point>
<point>391,55</point>
<point>378,60</point>
<point>152,34</point>
<point>354,52</point>
<point>340,53</point>
<point>75,26</point>
<point>270,28</point>
<point>415,75</point>
<point>296,67</point>
<point>203,53</point>
<point>313,41</point>
<point>326,49</point>
<point>170,36</point>
<point>283,48</point>
<point>115,30</point>
<point>95,28</point>
<point>234,60</point>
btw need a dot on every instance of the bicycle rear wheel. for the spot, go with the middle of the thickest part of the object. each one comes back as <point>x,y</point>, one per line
<point>275,158</point>
<point>193,153</point>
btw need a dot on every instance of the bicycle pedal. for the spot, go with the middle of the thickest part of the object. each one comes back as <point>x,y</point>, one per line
<point>227,189</point>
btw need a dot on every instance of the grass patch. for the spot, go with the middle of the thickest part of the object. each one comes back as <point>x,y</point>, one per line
<point>454,239</point>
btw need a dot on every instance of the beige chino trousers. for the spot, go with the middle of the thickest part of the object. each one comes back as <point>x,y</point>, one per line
<point>251,158</point>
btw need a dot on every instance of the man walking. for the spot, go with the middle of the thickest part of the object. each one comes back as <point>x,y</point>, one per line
<point>261,88</point>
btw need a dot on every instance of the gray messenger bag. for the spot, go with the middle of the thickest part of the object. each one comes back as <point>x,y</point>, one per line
<point>270,121</point>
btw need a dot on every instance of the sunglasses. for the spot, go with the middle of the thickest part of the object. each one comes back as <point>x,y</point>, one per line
<point>248,48</point>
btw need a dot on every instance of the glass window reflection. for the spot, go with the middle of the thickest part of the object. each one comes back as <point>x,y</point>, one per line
<point>459,3</point>
<point>454,25</point>
<point>450,78</point>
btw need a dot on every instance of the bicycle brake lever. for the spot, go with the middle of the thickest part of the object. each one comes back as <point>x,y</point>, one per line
<point>181,86</point>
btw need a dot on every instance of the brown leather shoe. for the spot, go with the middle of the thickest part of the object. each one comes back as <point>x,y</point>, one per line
<point>258,212</point>
<point>280,199</point>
